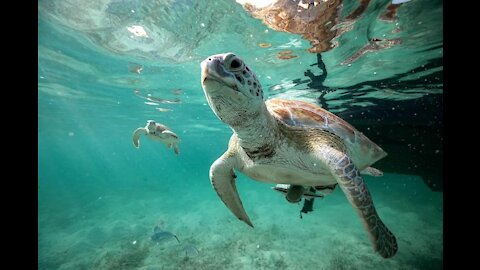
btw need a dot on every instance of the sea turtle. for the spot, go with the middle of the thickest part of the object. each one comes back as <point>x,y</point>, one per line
<point>287,142</point>
<point>157,132</point>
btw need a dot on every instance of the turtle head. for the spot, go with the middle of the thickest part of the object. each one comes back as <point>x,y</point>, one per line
<point>151,126</point>
<point>231,87</point>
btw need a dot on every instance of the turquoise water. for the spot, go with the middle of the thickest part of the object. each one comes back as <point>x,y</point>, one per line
<point>99,198</point>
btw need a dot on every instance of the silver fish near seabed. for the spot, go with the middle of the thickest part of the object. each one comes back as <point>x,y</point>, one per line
<point>190,251</point>
<point>160,235</point>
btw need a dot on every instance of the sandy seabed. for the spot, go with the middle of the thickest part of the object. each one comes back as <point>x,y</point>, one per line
<point>113,230</point>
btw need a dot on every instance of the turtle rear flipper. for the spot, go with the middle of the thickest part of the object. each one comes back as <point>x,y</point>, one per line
<point>136,136</point>
<point>176,148</point>
<point>372,172</point>
<point>352,184</point>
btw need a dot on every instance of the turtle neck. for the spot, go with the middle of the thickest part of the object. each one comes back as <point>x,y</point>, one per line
<point>256,131</point>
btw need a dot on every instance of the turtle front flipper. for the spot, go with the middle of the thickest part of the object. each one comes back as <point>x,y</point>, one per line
<point>356,191</point>
<point>222,178</point>
<point>136,136</point>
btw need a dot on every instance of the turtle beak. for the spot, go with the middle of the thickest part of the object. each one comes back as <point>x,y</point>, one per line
<point>213,69</point>
<point>210,68</point>
<point>204,68</point>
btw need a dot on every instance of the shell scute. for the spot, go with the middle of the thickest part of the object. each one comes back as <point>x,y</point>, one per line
<point>302,114</point>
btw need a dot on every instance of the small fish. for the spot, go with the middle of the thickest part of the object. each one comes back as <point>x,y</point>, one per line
<point>177,91</point>
<point>161,100</point>
<point>135,68</point>
<point>163,110</point>
<point>175,101</point>
<point>151,103</point>
<point>160,235</point>
<point>138,94</point>
<point>264,45</point>
<point>190,250</point>
<point>155,100</point>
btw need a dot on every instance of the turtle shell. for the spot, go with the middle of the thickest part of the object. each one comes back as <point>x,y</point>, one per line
<point>302,114</point>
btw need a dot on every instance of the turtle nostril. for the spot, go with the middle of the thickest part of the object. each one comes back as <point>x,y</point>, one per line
<point>209,59</point>
<point>239,79</point>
